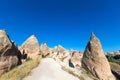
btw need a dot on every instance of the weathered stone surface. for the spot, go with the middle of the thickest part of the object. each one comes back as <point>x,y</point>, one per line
<point>94,60</point>
<point>76,58</point>
<point>9,54</point>
<point>44,49</point>
<point>60,52</point>
<point>31,47</point>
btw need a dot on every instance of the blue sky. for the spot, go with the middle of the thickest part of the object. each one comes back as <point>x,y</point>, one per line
<point>65,22</point>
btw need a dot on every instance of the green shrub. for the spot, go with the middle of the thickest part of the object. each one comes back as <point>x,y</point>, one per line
<point>111,59</point>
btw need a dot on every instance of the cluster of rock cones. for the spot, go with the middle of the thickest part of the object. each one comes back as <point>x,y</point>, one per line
<point>93,59</point>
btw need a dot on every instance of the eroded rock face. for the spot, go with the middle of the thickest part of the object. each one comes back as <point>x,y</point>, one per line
<point>61,53</point>
<point>31,47</point>
<point>44,49</point>
<point>9,54</point>
<point>94,60</point>
<point>76,58</point>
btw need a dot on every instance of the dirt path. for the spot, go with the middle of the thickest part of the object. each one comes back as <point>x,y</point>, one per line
<point>49,69</point>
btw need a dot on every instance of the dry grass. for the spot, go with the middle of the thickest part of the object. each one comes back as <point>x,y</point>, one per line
<point>116,70</point>
<point>18,73</point>
<point>70,71</point>
<point>115,67</point>
<point>81,76</point>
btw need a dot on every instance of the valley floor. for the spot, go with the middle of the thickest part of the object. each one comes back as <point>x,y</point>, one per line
<point>49,69</point>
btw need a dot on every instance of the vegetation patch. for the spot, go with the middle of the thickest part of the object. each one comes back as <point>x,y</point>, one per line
<point>19,72</point>
<point>115,70</point>
<point>70,71</point>
<point>81,76</point>
<point>113,58</point>
<point>45,56</point>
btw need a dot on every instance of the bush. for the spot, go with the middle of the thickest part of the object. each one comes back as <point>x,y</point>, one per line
<point>111,59</point>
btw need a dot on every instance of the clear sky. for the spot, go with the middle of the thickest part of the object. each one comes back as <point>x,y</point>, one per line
<point>65,22</point>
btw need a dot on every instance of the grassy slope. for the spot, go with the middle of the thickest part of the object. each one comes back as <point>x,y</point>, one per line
<point>115,67</point>
<point>18,73</point>
<point>116,70</point>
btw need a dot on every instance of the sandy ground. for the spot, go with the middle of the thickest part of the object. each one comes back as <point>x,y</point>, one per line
<point>49,69</point>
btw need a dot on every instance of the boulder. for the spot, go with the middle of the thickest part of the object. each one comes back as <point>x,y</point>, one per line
<point>94,60</point>
<point>31,47</point>
<point>10,56</point>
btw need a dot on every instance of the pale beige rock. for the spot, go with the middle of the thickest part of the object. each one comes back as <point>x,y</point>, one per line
<point>9,54</point>
<point>94,60</point>
<point>31,47</point>
<point>60,54</point>
<point>44,49</point>
<point>76,58</point>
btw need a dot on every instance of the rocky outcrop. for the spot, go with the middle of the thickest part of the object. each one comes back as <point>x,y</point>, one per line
<point>10,56</point>
<point>76,58</point>
<point>31,47</point>
<point>58,50</point>
<point>60,53</point>
<point>94,60</point>
<point>44,49</point>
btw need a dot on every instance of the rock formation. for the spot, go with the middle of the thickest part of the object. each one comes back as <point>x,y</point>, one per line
<point>60,52</point>
<point>76,58</point>
<point>94,60</point>
<point>44,49</point>
<point>31,47</point>
<point>60,49</point>
<point>9,54</point>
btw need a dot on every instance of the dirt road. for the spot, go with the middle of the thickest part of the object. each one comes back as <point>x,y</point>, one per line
<point>49,69</point>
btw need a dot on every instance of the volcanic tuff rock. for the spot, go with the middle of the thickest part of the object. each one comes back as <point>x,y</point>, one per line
<point>60,53</point>
<point>9,54</point>
<point>94,60</point>
<point>44,49</point>
<point>31,47</point>
<point>59,49</point>
<point>76,58</point>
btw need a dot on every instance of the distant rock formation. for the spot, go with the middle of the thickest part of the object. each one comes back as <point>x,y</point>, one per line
<point>68,57</point>
<point>94,60</point>
<point>60,52</point>
<point>76,58</point>
<point>60,49</point>
<point>10,56</point>
<point>31,47</point>
<point>44,49</point>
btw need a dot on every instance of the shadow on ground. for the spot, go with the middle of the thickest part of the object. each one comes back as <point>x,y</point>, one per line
<point>116,75</point>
